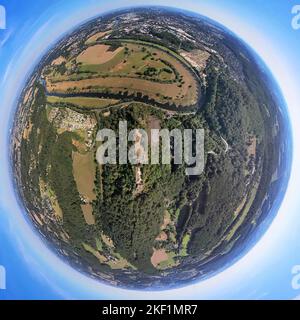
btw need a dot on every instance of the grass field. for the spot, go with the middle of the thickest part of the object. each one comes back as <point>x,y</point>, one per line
<point>132,60</point>
<point>97,36</point>
<point>99,54</point>
<point>47,192</point>
<point>243,214</point>
<point>127,67</point>
<point>87,210</point>
<point>184,245</point>
<point>169,262</point>
<point>94,252</point>
<point>93,103</point>
<point>84,174</point>
<point>114,260</point>
<point>161,92</point>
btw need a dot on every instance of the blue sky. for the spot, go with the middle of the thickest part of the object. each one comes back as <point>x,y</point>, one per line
<point>35,272</point>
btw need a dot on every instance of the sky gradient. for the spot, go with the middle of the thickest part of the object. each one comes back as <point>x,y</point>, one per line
<point>33,271</point>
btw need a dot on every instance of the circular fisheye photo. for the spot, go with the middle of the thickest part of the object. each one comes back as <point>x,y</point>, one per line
<point>150,147</point>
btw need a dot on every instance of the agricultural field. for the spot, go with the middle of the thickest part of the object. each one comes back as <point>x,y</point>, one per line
<point>119,68</point>
<point>84,173</point>
<point>83,102</point>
